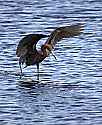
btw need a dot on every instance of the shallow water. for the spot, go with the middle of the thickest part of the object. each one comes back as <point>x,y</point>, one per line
<point>70,88</point>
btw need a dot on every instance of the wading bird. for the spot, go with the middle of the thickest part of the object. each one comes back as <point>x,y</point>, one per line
<point>26,49</point>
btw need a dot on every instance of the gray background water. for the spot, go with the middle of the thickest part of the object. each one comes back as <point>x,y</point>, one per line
<point>70,91</point>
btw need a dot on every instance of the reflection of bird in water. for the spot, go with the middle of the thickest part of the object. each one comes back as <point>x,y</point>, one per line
<point>28,53</point>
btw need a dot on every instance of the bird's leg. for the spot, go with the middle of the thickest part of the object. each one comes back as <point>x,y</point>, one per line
<point>20,70</point>
<point>38,71</point>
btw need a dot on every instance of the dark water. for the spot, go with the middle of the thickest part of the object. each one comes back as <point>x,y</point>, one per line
<point>70,91</point>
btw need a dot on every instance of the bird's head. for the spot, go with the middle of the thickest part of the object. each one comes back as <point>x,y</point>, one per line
<point>47,49</point>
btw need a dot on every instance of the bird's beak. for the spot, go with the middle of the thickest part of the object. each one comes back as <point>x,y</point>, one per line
<point>49,51</point>
<point>53,55</point>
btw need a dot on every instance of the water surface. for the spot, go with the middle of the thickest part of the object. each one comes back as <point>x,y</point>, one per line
<point>69,92</point>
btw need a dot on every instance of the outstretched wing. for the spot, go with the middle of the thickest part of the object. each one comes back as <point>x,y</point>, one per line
<point>64,32</point>
<point>22,46</point>
<point>27,43</point>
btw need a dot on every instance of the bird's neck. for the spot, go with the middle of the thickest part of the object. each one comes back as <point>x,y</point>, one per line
<point>37,55</point>
<point>45,53</point>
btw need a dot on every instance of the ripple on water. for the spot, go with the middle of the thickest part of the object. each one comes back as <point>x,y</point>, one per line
<point>69,91</point>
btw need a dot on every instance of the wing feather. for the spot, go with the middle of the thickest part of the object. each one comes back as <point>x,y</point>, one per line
<point>23,45</point>
<point>64,32</point>
<point>27,43</point>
